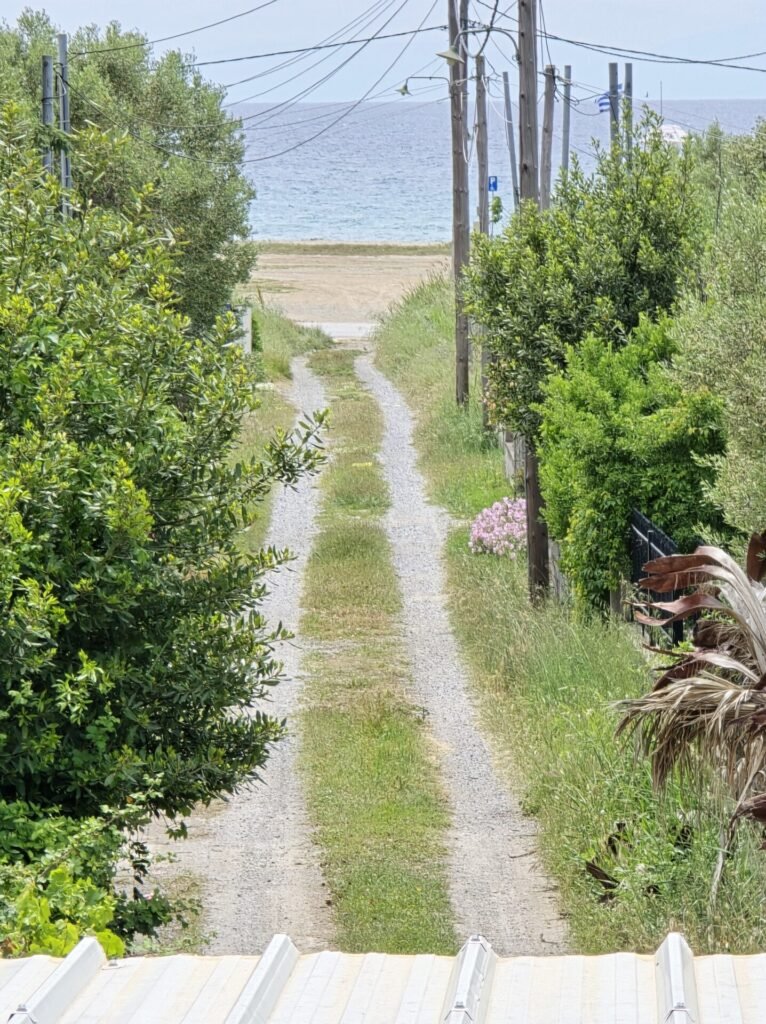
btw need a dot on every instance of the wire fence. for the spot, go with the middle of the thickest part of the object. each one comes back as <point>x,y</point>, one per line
<point>648,541</point>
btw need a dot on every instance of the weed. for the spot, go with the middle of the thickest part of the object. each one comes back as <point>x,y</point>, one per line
<point>546,683</point>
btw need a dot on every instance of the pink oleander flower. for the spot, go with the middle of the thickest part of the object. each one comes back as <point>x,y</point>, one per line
<point>500,529</point>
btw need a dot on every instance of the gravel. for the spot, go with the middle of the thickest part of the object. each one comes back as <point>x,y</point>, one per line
<point>497,886</point>
<point>254,856</point>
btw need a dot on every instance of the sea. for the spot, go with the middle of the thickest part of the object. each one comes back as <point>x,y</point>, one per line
<point>381,172</point>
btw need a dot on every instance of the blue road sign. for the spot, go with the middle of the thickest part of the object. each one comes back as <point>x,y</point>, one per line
<point>492,183</point>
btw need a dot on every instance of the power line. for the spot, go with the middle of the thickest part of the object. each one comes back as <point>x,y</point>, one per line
<point>651,57</point>
<point>361,99</point>
<point>328,55</point>
<point>177,35</point>
<point>285,104</point>
<point>314,49</point>
<point>361,20</point>
<point>271,112</point>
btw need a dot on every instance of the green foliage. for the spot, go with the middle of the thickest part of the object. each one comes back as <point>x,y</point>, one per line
<point>175,135</point>
<point>57,878</point>
<point>546,682</point>
<point>721,336</point>
<point>612,247</point>
<point>132,648</point>
<point>617,433</point>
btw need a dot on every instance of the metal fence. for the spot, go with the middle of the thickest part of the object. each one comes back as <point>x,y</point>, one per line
<point>648,541</point>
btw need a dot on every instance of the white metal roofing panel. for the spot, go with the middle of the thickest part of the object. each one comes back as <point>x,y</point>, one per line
<point>476,987</point>
<point>19,978</point>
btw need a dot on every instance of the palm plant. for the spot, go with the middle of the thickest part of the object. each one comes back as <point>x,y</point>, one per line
<point>710,703</point>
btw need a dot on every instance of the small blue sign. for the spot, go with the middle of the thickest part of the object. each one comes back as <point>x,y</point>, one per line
<point>492,183</point>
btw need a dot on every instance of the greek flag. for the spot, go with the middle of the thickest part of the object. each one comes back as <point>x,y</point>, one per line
<point>603,100</point>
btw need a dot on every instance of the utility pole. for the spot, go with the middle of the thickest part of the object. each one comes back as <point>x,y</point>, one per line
<point>527,102</point>
<point>614,104</point>
<point>64,121</point>
<point>537,531</point>
<point>566,117</point>
<point>482,150</point>
<point>547,144</point>
<point>48,111</point>
<point>482,161</point>
<point>460,210</point>
<point>511,139</point>
<point>628,106</point>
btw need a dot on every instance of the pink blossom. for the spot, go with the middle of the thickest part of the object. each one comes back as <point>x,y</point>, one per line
<point>500,529</point>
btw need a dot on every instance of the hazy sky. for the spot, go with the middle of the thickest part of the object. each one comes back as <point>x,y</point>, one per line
<point>690,28</point>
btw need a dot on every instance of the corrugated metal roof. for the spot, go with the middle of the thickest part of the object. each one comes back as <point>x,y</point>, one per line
<point>476,987</point>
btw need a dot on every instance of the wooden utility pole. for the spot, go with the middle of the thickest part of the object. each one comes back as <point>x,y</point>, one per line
<point>461,238</point>
<point>537,531</point>
<point>614,104</point>
<point>47,111</point>
<point>482,161</point>
<point>65,126</point>
<point>528,178</point>
<point>510,139</point>
<point>566,116</point>
<point>628,106</point>
<point>546,158</point>
<point>482,147</point>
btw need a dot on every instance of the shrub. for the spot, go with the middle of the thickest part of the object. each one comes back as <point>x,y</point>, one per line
<point>616,433</point>
<point>721,338</point>
<point>500,529</point>
<point>132,649</point>
<point>612,247</point>
<point>57,878</point>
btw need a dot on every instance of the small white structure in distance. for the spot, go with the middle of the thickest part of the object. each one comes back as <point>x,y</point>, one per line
<point>674,134</point>
<point>475,987</point>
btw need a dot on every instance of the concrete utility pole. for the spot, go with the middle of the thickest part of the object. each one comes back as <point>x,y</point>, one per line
<point>64,120</point>
<point>537,531</point>
<point>461,238</point>
<point>628,106</point>
<point>614,104</point>
<point>566,117</point>
<point>511,139</point>
<point>48,111</point>
<point>547,146</point>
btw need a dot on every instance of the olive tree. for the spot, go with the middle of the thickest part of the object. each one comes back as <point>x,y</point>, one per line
<point>175,133</point>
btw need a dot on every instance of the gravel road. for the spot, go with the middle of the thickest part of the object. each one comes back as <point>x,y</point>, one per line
<point>254,856</point>
<point>498,888</point>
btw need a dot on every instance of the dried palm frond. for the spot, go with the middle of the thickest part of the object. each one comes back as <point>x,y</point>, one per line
<point>711,700</point>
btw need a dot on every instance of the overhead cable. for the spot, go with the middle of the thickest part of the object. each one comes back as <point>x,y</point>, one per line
<point>313,49</point>
<point>177,35</point>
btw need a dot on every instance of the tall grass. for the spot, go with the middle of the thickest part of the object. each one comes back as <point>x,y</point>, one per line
<point>545,685</point>
<point>279,340</point>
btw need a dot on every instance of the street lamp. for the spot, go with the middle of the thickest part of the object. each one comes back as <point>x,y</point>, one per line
<point>404,89</point>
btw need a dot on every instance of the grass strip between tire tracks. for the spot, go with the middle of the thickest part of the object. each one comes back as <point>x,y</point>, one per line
<point>545,685</point>
<point>371,783</point>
